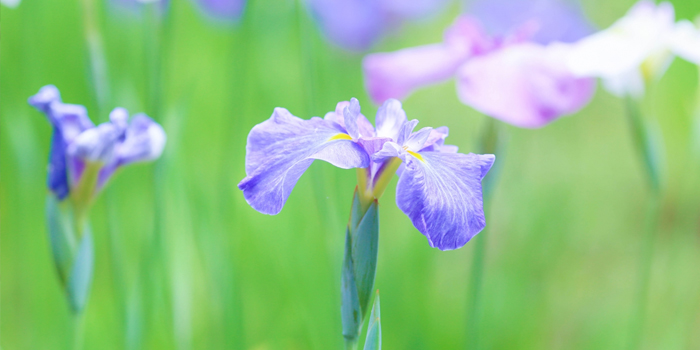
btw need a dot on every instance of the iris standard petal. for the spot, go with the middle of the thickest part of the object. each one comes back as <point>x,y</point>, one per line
<point>527,85</point>
<point>436,139</point>
<point>143,140</point>
<point>441,194</point>
<point>364,127</point>
<point>406,131</point>
<point>390,118</point>
<point>280,149</point>
<point>350,115</point>
<point>417,140</point>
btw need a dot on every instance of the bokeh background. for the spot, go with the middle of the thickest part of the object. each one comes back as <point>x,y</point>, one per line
<point>182,262</point>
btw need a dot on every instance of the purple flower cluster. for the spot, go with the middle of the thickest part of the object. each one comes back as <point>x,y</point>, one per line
<point>518,76</point>
<point>358,24</point>
<point>77,142</point>
<point>439,189</point>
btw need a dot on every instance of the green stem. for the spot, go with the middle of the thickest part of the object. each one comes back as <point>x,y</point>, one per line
<point>78,330</point>
<point>491,142</point>
<point>647,148</point>
<point>644,266</point>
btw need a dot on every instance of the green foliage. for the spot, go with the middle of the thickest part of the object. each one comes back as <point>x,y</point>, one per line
<point>181,261</point>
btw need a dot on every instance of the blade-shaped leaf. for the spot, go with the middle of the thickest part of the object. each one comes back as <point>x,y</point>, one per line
<point>365,240</point>
<point>374,330</point>
<point>80,279</point>
<point>59,220</point>
<point>350,308</point>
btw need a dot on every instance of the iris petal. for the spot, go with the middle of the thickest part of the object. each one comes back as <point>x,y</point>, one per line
<point>68,122</point>
<point>280,149</point>
<point>390,118</point>
<point>442,196</point>
<point>526,85</point>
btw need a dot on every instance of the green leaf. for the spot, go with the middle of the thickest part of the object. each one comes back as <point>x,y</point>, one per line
<point>59,220</point>
<point>374,330</point>
<point>365,241</point>
<point>80,280</point>
<point>648,141</point>
<point>350,307</point>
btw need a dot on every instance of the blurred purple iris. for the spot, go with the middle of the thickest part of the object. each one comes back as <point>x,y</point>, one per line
<point>229,10</point>
<point>357,24</point>
<point>137,5</point>
<point>554,20</point>
<point>513,77</point>
<point>439,189</point>
<point>77,142</point>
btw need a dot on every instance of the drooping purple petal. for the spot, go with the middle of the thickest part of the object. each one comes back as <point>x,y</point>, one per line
<point>229,10</point>
<point>68,122</point>
<point>526,85</point>
<point>280,149</point>
<point>397,74</point>
<point>555,20</point>
<point>441,194</point>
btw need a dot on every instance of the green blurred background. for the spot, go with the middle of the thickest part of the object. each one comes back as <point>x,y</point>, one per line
<point>182,262</point>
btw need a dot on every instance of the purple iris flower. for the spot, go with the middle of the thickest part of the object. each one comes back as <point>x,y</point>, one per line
<point>510,77</point>
<point>229,10</point>
<point>77,142</point>
<point>439,189</point>
<point>555,20</point>
<point>357,24</point>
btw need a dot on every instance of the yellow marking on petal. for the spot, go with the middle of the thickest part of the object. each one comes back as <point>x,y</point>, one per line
<point>340,136</point>
<point>418,156</point>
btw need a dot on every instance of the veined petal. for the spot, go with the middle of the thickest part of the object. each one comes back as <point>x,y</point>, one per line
<point>364,127</point>
<point>442,195</point>
<point>406,131</point>
<point>390,118</point>
<point>280,149</point>
<point>417,139</point>
<point>435,140</point>
<point>527,85</point>
<point>350,115</point>
<point>389,150</point>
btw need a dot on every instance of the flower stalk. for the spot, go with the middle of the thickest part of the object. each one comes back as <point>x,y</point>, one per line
<point>647,142</point>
